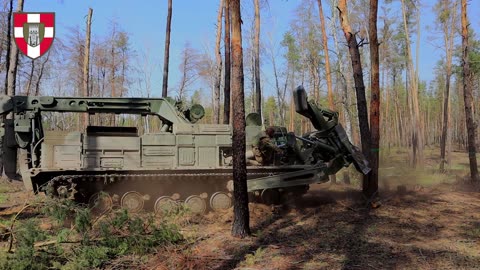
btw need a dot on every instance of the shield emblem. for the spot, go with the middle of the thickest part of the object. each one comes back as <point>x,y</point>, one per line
<point>34,32</point>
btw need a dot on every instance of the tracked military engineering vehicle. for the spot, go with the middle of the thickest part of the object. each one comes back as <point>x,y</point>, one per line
<point>184,162</point>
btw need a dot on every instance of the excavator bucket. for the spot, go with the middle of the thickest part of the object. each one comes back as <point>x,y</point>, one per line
<point>326,123</point>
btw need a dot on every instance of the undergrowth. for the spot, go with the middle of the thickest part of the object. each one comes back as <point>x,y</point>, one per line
<point>3,198</point>
<point>255,257</point>
<point>79,240</point>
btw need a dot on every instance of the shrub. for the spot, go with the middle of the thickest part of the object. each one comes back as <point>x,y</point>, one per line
<point>90,242</point>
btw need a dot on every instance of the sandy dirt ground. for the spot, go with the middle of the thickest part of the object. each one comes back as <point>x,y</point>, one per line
<point>329,228</point>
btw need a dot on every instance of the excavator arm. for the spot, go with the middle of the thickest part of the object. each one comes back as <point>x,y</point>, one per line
<point>330,141</point>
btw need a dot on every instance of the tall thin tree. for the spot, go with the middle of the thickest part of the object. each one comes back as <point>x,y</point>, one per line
<point>353,47</point>
<point>240,227</point>
<point>9,33</point>
<point>226,89</point>
<point>167,50</point>
<point>13,63</point>
<point>30,77</point>
<point>328,73</point>
<point>86,63</point>
<point>371,187</point>
<point>417,141</point>
<point>447,18</point>
<point>218,58</point>
<point>113,68</point>
<point>467,96</point>
<point>41,72</point>
<point>256,51</point>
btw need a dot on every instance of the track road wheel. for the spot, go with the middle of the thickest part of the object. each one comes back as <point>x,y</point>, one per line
<point>270,196</point>
<point>220,201</point>
<point>164,205</point>
<point>132,201</point>
<point>196,204</point>
<point>100,203</point>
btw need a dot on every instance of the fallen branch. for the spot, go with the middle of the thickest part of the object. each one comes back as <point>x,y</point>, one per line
<point>10,241</point>
<point>54,242</point>
<point>227,258</point>
<point>348,207</point>
<point>78,241</point>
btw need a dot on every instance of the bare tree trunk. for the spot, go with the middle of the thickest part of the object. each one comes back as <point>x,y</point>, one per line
<point>417,130</point>
<point>344,83</point>
<point>86,65</point>
<point>467,97</point>
<point>353,48</point>
<point>371,187</point>
<point>8,39</point>
<point>256,48</point>
<point>167,50</point>
<point>3,33</point>
<point>183,82</point>
<point>7,64</point>
<point>226,90</point>
<point>328,74</point>
<point>291,124</point>
<point>448,37</point>
<point>253,102</point>
<point>240,227</point>
<point>13,64</point>
<point>446,118</point>
<point>218,56</point>
<point>30,77</point>
<point>415,99</point>
<point>112,72</point>
<point>40,74</point>
<point>280,93</point>
<point>386,121</point>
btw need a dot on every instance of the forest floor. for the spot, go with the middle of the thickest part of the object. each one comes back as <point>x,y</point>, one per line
<point>425,220</point>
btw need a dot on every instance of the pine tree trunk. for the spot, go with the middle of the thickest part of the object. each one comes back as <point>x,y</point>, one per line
<point>353,48</point>
<point>371,187</point>
<point>446,110</point>
<point>386,114</point>
<point>226,91</point>
<point>40,74</point>
<point>13,64</point>
<point>417,129</point>
<point>328,73</point>
<point>344,81</point>
<point>218,56</point>
<point>167,50</point>
<point>112,74</point>
<point>9,43</point>
<point>30,77</point>
<point>241,226</point>
<point>291,125</point>
<point>256,46</point>
<point>86,65</point>
<point>448,26</point>
<point>467,97</point>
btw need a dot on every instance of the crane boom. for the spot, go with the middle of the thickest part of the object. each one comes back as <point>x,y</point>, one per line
<point>163,108</point>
